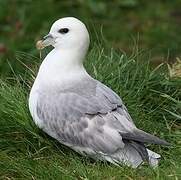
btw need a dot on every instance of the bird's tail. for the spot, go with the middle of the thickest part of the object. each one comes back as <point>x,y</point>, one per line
<point>131,156</point>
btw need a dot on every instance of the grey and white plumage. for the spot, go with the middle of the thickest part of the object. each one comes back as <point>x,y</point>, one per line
<point>81,112</point>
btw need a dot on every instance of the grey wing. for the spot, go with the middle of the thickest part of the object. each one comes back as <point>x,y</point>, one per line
<point>99,121</point>
<point>80,122</point>
<point>127,128</point>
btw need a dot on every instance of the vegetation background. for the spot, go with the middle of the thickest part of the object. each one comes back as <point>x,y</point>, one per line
<point>131,43</point>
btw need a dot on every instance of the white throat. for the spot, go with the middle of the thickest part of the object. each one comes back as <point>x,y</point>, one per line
<point>61,66</point>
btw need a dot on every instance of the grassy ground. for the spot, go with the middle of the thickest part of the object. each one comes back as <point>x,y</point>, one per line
<point>150,95</point>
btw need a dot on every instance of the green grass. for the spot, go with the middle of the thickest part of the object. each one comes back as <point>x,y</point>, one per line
<point>155,23</point>
<point>152,98</point>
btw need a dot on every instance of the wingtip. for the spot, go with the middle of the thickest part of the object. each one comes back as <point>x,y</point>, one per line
<point>167,143</point>
<point>144,137</point>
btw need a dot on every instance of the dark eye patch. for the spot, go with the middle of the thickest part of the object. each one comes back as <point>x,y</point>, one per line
<point>63,30</point>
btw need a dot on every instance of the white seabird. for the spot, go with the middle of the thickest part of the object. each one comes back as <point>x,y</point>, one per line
<point>79,111</point>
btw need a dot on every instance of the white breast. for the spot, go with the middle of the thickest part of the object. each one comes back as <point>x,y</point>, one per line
<point>33,97</point>
<point>58,69</point>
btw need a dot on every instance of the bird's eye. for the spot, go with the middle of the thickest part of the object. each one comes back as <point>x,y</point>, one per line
<point>63,30</point>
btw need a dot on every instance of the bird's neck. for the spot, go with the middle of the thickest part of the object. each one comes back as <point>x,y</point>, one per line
<point>62,66</point>
<point>64,59</point>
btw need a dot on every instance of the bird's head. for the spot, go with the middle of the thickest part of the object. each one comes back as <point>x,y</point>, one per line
<point>66,33</point>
